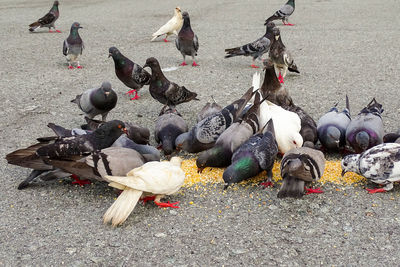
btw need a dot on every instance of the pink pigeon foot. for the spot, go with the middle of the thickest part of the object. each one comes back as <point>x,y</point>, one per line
<point>165,40</point>
<point>150,198</point>
<point>183,64</point>
<point>58,31</point>
<point>167,204</point>
<point>267,184</point>
<point>131,92</point>
<point>280,78</point>
<point>194,64</point>
<point>289,24</point>
<point>70,67</point>
<point>79,67</point>
<point>376,190</point>
<point>313,191</point>
<point>254,66</point>
<point>79,181</point>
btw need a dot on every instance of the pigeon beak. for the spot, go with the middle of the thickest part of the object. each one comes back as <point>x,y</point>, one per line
<point>179,147</point>
<point>109,54</point>
<point>343,172</point>
<point>277,37</point>
<point>80,27</point>
<point>125,131</point>
<point>107,93</point>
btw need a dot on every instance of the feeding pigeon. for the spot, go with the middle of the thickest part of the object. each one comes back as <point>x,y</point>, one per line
<point>283,13</point>
<point>169,126</point>
<point>164,91</point>
<point>150,153</point>
<point>366,129</point>
<point>208,109</point>
<point>332,127</point>
<point>97,101</point>
<point>299,166</point>
<point>187,42</point>
<point>128,72</point>
<point>203,135</point>
<point>47,20</point>
<point>255,49</point>
<point>281,57</point>
<point>255,155</point>
<point>155,178</point>
<point>379,164</point>
<point>308,130</point>
<point>171,27</point>
<point>73,46</point>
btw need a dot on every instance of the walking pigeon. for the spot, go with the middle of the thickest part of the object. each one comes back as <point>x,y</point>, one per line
<point>73,46</point>
<point>283,13</point>
<point>171,27</point>
<point>47,20</point>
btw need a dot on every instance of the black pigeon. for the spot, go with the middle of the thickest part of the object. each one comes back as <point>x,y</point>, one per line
<point>48,19</point>
<point>130,73</point>
<point>73,46</point>
<point>166,92</point>
<point>272,89</point>
<point>187,42</point>
<point>255,49</point>
<point>283,13</point>
<point>97,101</point>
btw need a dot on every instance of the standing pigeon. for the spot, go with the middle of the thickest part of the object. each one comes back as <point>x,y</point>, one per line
<point>255,49</point>
<point>280,56</point>
<point>187,42</point>
<point>203,135</point>
<point>73,46</point>
<point>97,101</point>
<point>332,127</point>
<point>379,164</point>
<point>130,73</point>
<point>47,20</point>
<point>208,109</point>
<point>156,178</point>
<point>171,27</point>
<point>366,130</point>
<point>298,166</point>
<point>283,13</point>
<point>169,126</point>
<point>164,91</point>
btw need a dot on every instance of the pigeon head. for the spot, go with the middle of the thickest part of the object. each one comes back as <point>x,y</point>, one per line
<point>177,11</point>
<point>56,3</point>
<point>239,170</point>
<point>182,141</point>
<point>168,110</point>
<point>270,25</point>
<point>105,98</point>
<point>332,139</point>
<point>277,33</point>
<point>152,63</point>
<point>362,140</point>
<point>76,26</point>
<point>113,52</point>
<point>208,157</point>
<point>111,130</point>
<point>185,15</point>
<point>297,168</point>
<point>350,163</point>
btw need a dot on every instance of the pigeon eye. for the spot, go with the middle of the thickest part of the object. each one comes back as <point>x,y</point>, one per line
<point>345,164</point>
<point>294,142</point>
<point>119,126</point>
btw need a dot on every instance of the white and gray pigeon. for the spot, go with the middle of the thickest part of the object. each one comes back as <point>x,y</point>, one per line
<point>208,109</point>
<point>366,129</point>
<point>73,46</point>
<point>47,20</point>
<point>255,49</point>
<point>283,13</point>
<point>379,164</point>
<point>97,101</point>
<point>332,127</point>
<point>187,42</point>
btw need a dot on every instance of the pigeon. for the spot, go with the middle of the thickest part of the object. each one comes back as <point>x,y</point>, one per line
<point>128,72</point>
<point>169,126</point>
<point>299,166</point>
<point>208,109</point>
<point>47,20</point>
<point>283,13</point>
<point>366,129</point>
<point>187,42</point>
<point>150,153</point>
<point>97,101</point>
<point>332,127</point>
<point>203,135</point>
<point>308,130</point>
<point>281,57</point>
<point>233,137</point>
<point>73,46</point>
<point>255,49</point>
<point>392,138</point>
<point>164,91</point>
<point>379,164</point>
<point>171,27</point>
<point>156,178</point>
<point>255,155</point>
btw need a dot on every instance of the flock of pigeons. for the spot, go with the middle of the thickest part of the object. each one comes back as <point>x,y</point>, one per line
<point>246,136</point>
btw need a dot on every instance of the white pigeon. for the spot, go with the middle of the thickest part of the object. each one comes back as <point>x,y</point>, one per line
<point>171,27</point>
<point>156,178</point>
<point>380,164</point>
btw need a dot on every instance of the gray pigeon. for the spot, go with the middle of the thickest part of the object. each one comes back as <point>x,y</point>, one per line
<point>255,49</point>
<point>97,101</point>
<point>298,166</point>
<point>283,13</point>
<point>169,126</point>
<point>73,46</point>
<point>203,135</point>
<point>47,20</point>
<point>332,127</point>
<point>366,129</point>
<point>379,164</point>
<point>150,153</point>
<point>208,109</point>
<point>187,42</point>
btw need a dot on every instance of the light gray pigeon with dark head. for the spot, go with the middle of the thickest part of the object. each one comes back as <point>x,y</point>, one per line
<point>73,46</point>
<point>187,42</point>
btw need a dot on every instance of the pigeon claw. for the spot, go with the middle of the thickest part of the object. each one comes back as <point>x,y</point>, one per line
<point>167,204</point>
<point>289,24</point>
<point>376,190</point>
<point>254,66</point>
<point>313,191</point>
<point>267,184</point>
<point>280,78</point>
<point>131,92</point>
<point>79,181</point>
<point>183,64</point>
<point>149,198</point>
<point>165,40</point>
<point>194,64</point>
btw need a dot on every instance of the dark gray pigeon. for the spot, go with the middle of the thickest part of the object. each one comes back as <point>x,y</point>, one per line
<point>164,91</point>
<point>208,109</point>
<point>187,42</point>
<point>73,46</point>
<point>332,127</point>
<point>299,166</point>
<point>128,72</point>
<point>255,49</point>
<point>283,13</point>
<point>203,135</point>
<point>47,20</point>
<point>150,153</point>
<point>392,138</point>
<point>97,101</point>
<point>366,129</point>
<point>272,89</point>
<point>379,164</point>
<point>169,126</point>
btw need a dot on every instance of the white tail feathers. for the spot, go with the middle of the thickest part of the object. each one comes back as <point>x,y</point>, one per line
<point>256,81</point>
